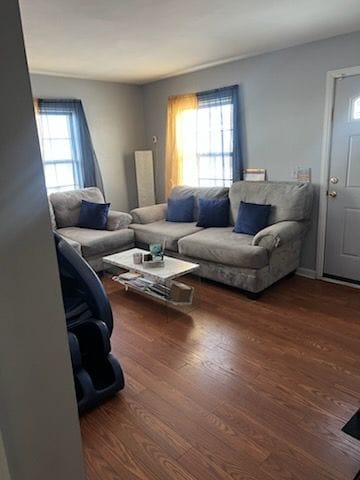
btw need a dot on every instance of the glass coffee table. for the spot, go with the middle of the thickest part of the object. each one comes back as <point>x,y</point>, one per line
<point>159,281</point>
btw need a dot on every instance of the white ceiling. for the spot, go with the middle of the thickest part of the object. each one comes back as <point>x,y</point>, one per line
<point>137,41</point>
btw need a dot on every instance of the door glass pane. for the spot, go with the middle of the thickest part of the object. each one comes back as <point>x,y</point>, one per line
<point>356,109</point>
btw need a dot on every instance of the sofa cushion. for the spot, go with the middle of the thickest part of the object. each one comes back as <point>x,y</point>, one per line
<point>163,231</point>
<point>66,205</point>
<point>198,192</point>
<point>222,245</point>
<point>252,218</point>
<point>180,209</point>
<point>213,212</point>
<point>289,200</point>
<point>96,243</point>
<point>93,215</point>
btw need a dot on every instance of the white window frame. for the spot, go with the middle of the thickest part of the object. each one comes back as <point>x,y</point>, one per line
<point>74,141</point>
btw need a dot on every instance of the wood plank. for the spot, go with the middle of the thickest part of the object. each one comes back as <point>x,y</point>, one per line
<point>234,389</point>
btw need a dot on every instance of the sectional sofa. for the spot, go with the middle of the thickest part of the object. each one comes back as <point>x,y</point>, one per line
<point>251,263</point>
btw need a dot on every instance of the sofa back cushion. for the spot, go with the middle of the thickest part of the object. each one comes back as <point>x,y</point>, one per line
<point>180,209</point>
<point>182,191</point>
<point>289,200</point>
<point>67,205</point>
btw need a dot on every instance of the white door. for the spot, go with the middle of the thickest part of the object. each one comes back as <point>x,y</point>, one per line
<point>342,247</point>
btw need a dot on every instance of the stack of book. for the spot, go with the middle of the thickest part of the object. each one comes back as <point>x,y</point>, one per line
<point>136,280</point>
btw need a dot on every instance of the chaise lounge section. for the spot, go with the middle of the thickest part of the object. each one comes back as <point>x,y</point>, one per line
<point>249,262</point>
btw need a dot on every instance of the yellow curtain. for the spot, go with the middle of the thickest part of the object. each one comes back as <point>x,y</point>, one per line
<point>180,138</point>
<point>36,105</point>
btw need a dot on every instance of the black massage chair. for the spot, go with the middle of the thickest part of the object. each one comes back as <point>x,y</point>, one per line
<point>97,373</point>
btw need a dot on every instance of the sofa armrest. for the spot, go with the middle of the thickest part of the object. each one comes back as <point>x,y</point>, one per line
<point>154,213</point>
<point>118,220</point>
<point>279,234</point>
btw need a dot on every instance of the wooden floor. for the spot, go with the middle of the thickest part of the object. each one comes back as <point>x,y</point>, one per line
<point>238,389</point>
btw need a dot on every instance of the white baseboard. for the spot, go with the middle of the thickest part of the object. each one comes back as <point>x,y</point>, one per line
<point>306,272</point>
<point>340,282</point>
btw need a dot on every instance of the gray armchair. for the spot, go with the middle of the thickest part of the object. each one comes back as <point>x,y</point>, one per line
<point>91,244</point>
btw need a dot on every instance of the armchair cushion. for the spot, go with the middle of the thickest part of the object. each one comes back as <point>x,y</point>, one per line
<point>93,215</point>
<point>118,220</point>
<point>278,234</point>
<point>151,214</point>
<point>95,243</point>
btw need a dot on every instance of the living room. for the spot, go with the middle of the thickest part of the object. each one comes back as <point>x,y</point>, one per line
<point>211,228</point>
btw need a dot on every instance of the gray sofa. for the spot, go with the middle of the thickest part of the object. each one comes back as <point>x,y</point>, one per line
<point>91,244</point>
<point>251,263</point>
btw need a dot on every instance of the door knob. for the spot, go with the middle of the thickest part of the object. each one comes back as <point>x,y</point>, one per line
<point>332,194</point>
<point>334,180</point>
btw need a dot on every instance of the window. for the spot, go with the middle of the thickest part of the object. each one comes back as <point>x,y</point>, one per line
<point>203,139</point>
<point>355,114</point>
<point>214,146</point>
<point>58,134</point>
<point>208,145</point>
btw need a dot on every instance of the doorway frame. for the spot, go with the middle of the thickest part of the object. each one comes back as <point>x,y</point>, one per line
<point>331,77</point>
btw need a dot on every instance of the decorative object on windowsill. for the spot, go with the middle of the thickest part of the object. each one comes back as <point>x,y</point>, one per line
<point>255,174</point>
<point>302,174</point>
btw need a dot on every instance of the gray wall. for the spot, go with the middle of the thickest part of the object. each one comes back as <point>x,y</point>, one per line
<point>38,415</point>
<point>115,116</point>
<point>4,468</point>
<point>282,96</point>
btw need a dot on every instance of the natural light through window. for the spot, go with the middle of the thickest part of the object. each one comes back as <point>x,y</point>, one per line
<point>356,109</point>
<point>57,135</point>
<point>206,135</point>
<point>214,145</point>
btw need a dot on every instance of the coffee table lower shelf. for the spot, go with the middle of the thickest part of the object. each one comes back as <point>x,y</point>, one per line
<point>148,293</point>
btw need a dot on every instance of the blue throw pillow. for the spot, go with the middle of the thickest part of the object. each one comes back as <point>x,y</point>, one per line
<point>213,212</point>
<point>252,217</point>
<point>93,215</point>
<point>180,209</point>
